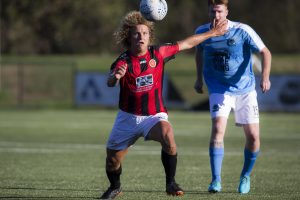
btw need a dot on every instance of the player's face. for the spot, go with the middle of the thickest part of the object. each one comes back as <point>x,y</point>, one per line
<point>139,39</point>
<point>218,13</point>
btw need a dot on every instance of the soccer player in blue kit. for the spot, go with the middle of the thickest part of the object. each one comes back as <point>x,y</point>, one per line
<point>225,63</point>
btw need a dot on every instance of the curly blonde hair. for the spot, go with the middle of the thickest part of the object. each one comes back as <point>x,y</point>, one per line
<point>130,20</point>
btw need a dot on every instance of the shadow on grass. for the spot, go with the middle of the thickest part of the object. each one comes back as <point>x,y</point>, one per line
<point>20,196</point>
<point>187,192</point>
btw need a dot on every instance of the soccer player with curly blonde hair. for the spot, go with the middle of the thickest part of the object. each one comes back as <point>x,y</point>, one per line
<point>139,72</point>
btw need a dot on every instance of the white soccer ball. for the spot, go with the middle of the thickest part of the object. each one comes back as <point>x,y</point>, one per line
<point>154,10</point>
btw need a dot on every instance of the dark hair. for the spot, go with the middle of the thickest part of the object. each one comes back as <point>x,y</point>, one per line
<point>218,2</point>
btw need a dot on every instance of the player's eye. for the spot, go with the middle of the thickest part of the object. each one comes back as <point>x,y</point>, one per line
<point>135,35</point>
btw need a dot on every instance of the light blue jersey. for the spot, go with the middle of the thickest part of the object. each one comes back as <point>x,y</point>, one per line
<point>227,66</point>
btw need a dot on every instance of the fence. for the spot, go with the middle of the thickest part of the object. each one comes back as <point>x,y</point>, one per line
<point>58,85</point>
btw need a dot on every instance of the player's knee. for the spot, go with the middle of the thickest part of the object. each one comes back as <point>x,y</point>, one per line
<point>218,131</point>
<point>171,150</point>
<point>112,164</point>
<point>252,136</point>
<point>169,144</point>
<point>218,128</point>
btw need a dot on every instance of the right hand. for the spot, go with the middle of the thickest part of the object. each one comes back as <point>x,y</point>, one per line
<point>198,87</point>
<point>121,71</point>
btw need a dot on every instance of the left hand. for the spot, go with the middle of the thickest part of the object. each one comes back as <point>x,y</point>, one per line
<point>198,87</point>
<point>265,85</point>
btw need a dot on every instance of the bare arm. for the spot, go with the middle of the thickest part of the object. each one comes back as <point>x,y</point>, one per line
<point>196,39</point>
<point>265,83</point>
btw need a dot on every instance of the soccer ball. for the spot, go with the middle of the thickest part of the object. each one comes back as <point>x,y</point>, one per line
<point>154,10</point>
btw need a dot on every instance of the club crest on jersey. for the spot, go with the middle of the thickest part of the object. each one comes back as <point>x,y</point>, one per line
<point>231,42</point>
<point>152,63</point>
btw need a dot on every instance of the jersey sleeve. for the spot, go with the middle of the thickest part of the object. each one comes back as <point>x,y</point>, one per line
<point>253,39</point>
<point>119,62</point>
<point>168,51</point>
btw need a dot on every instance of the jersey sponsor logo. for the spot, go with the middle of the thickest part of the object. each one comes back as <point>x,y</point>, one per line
<point>152,63</point>
<point>144,83</point>
<point>221,61</point>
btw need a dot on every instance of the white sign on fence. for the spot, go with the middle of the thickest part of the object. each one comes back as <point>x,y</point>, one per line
<point>91,89</point>
<point>283,96</point>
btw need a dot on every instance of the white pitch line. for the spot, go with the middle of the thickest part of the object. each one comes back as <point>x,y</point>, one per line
<point>60,148</point>
<point>32,150</point>
<point>51,145</point>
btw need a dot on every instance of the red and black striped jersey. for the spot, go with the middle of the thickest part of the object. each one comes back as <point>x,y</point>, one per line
<point>141,87</point>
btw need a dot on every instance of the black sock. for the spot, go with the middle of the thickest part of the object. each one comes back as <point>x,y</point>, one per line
<point>114,178</point>
<point>169,163</point>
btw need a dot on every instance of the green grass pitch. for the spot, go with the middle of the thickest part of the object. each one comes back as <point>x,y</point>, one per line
<point>60,155</point>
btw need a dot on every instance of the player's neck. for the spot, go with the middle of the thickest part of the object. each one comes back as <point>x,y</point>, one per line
<point>138,53</point>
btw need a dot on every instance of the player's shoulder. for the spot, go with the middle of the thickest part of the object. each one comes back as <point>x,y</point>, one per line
<point>244,27</point>
<point>123,58</point>
<point>202,28</point>
<point>163,47</point>
<point>156,47</point>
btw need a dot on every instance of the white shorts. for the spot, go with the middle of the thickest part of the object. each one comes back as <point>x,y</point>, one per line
<point>245,107</point>
<point>129,127</point>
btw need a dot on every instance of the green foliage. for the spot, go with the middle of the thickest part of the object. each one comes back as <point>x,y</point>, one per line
<point>86,26</point>
<point>61,155</point>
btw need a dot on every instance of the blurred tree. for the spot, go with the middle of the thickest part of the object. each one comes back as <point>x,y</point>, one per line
<point>86,26</point>
<point>277,23</point>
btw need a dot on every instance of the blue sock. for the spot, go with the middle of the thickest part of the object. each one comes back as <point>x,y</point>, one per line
<point>249,161</point>
<point>216,157</point>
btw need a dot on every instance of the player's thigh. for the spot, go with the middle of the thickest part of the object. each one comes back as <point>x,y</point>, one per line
<point>219,127</point>
<point>161,132</point>
<point>220,107</point>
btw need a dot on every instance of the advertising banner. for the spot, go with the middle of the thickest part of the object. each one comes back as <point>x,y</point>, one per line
<point>283,96</point>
